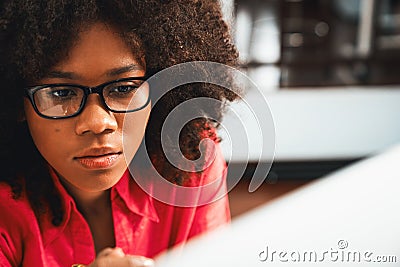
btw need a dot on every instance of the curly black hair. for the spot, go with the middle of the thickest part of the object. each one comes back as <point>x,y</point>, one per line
<point>35,35</point>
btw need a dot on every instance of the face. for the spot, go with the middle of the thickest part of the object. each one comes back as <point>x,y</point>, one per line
<point>87,151</point>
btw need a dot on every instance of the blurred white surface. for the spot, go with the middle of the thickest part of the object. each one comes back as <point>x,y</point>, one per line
<point>351,212</point>
<point>324,123</point>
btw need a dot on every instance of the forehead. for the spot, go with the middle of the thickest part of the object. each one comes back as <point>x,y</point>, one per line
<point>98,49</point>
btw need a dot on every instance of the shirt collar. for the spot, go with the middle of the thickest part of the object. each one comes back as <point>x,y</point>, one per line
<point>135,198</point>
<point>50,232</point>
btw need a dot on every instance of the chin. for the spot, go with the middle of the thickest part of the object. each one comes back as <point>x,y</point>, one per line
<point>100,180</point>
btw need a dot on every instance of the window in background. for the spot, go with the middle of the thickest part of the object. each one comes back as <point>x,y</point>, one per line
<point>297,43</point>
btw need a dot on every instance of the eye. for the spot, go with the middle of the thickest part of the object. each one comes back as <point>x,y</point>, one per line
<point>61,93</point>
<point>123,89</point>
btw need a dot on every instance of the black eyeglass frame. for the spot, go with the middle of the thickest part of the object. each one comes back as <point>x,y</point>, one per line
<point>30,91</point>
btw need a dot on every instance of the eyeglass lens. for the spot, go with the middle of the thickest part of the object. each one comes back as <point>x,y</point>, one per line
<point>62,101</point>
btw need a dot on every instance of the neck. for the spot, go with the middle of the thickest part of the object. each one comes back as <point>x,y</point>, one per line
<point>95,207</point>
<point>89,203</point>
<point>93,204</point>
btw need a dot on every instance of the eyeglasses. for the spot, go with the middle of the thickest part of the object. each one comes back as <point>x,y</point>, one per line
<point>59,101</point>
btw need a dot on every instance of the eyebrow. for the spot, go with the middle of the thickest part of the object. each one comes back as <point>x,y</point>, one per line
<point>111,73</point>
<point>123,70</point>
<point>62,75</point>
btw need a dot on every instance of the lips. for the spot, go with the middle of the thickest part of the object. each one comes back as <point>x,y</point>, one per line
<point>98,158</point>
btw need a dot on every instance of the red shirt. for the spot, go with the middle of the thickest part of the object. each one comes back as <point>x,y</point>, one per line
<point>142,225</point>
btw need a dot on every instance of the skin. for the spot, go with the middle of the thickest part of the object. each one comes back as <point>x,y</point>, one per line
<point>99,56</point>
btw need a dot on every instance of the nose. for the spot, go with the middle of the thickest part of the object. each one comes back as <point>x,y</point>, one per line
<point>95,118</point>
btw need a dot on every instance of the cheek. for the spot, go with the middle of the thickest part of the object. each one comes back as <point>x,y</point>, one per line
<point>46,134</point>
<point>133,128</point>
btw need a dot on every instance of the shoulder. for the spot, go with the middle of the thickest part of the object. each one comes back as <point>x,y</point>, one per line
<point>17,220</point>
<point>7,199</point>
<point>15,212</point>
<point>213,165</point>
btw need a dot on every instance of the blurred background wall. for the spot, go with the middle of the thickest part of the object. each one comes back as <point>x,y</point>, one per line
<point>330,71</point>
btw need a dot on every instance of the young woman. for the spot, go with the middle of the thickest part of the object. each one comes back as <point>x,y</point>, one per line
<point>72,75</point>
